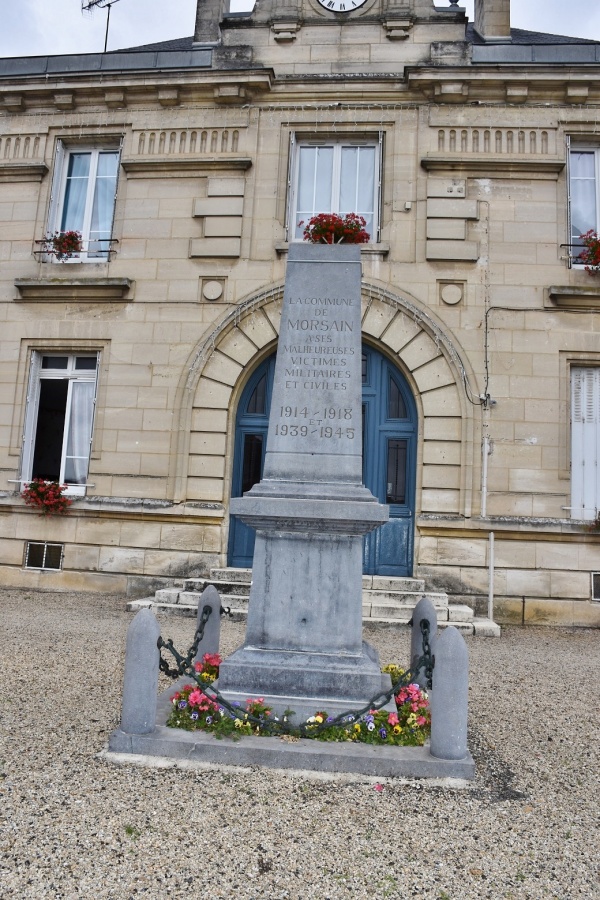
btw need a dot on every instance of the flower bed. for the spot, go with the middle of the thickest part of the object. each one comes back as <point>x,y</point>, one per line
<point>409,726</point>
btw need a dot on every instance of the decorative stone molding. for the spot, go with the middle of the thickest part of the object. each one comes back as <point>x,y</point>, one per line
<point>115,99</point>
<point>482,166</point>
<point>448,211</point>
<point>22,171</point>
<point>230,94</point>
<point>187,141</point>
<point>411,334</point>
<point>168,96</point>
<point>451,91</point>
<point>182,167</point>
<point>14,102</point>
<point>381,249</point>
<point>580,297</point>
<point>222,213</point>
<point>397,29</point>
<point>285,32</point>
<point>577,93</point>
<point>73,290</point>
<point>517,93</point>
<point>64,100</point>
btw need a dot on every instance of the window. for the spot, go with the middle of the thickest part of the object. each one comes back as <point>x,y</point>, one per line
<point>59,419</point>
<point>43,555</point>
<point>584,171</point>
<point>335,177</point>
<point>585,442</point>
<point>83,198</point>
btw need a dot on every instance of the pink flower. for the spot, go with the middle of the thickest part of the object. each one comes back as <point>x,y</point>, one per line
<point>378,787</point>
<point>393,719</point>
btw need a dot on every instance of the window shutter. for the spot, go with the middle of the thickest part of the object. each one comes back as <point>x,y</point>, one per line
<point>569,225</point>
<point>30,418</point>
<point>585,427</point>
<point>379,211</point>
<point>55,190</point>
<point>290,174</point>
<point>112,222</point>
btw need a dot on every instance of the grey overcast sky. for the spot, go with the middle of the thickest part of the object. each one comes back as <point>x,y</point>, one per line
<point>39,27</point>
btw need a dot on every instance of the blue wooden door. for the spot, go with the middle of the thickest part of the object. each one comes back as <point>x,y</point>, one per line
<point>389,464</point>
<point>249,455</point>
<point>389,453</point>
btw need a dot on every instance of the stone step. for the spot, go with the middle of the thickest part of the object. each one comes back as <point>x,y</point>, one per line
<point>241,575</point>
<point>384,583</point>
<point>478,626</point>
<point>375,582</point>
<point>404,597</point>
<point>403,612</point>
<point>197,585</point>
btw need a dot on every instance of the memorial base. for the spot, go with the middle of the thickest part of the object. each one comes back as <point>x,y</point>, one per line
<point>303,682</point>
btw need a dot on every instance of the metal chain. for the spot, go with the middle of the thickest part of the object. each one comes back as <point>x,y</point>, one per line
<point>185,661</point>
<point>281,726</point>
<point>427,654</point>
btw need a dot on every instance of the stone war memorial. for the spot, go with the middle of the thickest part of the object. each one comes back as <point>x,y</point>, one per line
<point>303,649</point>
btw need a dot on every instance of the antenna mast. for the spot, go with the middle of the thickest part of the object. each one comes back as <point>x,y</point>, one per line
<point>90,5</point>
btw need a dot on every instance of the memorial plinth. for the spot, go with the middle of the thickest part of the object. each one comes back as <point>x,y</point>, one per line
<point>304,647</point>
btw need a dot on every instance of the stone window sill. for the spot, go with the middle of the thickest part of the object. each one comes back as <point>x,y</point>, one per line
<point>282,247</point>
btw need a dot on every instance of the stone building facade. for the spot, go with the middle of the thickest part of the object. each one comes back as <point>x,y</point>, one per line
<point>138,368</point>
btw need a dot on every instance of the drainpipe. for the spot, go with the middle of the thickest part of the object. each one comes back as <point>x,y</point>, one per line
<point>485,452</point>
<point>491,578</point>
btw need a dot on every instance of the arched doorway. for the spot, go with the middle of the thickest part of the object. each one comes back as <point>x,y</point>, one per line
<point>389,460</point>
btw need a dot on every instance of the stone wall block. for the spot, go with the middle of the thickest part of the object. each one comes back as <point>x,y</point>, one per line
<point>401,331</point>
<point>261,327</point>
<point>450,695</point>
<point>140,683</point>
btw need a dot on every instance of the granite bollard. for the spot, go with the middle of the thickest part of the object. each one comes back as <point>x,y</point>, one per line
<point>450,696</point>
<point>423,610</point>
<point>212,628</point>
<point>140,683</point>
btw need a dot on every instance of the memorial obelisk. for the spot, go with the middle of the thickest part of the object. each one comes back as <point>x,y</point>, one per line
<point>303,648</point>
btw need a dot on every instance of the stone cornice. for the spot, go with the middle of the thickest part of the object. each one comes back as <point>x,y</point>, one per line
<point>484,164</point>
<point>22,171</point>
<point>183,166</point>
<point>73,290</point>
<point>580,297</point>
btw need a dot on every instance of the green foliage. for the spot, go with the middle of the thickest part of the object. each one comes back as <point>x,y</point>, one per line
<point>409,726</point>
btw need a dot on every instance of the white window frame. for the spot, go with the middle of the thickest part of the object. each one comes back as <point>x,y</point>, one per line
<point>36,375</point>
<point>572,149</point>
<point>585,442</point>
<point>296,144</point>
<point>63,155</point>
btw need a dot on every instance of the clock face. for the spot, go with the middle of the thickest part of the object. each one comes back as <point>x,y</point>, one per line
<point>341,6</point>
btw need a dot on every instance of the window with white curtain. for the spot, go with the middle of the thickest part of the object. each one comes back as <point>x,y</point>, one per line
<point>83,198</point>
<point>584,180</point>
<point>585,441</point>
<point>59,418</point>
<point>341,176</point>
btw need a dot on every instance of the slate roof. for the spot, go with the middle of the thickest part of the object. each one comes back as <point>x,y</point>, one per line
<point>184,43</point>
<point>521,36</point>
<point>518,36</point>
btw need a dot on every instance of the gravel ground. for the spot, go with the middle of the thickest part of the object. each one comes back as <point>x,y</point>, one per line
<point>74,825</point>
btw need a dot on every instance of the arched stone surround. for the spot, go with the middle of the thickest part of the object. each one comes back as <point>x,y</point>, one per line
<point>404,330</point>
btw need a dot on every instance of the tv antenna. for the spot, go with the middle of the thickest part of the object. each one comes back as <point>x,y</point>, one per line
<point>90,5</point>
